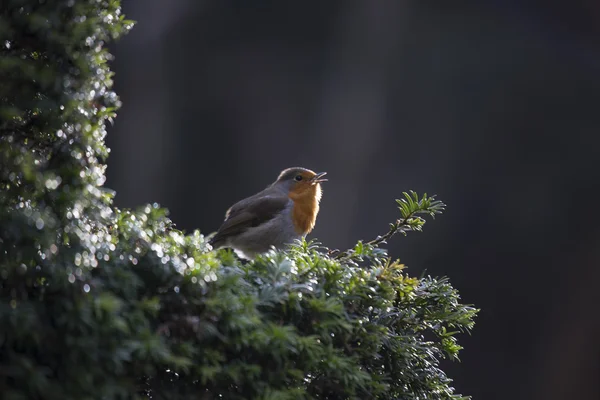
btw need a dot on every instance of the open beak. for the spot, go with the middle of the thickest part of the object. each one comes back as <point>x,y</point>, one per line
<point>318,178</point>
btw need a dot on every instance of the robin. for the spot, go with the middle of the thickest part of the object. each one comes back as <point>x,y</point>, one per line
<point>286,210</point>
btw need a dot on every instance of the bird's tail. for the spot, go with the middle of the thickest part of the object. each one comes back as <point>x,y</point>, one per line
<point>216,242</point>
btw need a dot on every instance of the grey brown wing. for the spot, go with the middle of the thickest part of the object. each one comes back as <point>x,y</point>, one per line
<point>244,215</point>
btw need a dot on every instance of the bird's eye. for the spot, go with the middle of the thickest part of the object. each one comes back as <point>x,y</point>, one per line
<point>298,178</point>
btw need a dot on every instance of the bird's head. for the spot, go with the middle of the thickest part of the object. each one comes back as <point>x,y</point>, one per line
<point>301,184</point>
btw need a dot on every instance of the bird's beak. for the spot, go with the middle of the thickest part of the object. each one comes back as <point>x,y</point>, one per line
<point>318,178</point>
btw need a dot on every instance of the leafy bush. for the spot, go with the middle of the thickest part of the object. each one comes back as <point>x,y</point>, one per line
<point>99,302</point>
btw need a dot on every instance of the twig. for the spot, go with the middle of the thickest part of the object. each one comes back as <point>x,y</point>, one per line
<point>407,223</point>
<point>401,225</point>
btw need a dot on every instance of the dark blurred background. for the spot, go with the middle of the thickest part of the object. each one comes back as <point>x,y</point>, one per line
<point>494,106</point>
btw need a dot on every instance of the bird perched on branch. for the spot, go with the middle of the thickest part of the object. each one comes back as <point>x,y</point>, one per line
<point>286,210</point>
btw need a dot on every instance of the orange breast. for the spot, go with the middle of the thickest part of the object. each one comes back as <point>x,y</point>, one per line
<point>306,207</point>
<point>304,214</point>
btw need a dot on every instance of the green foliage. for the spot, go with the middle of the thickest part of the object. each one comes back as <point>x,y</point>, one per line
<point>98,302</point>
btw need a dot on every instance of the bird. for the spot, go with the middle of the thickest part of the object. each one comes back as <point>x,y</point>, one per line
<point>283,212</point>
